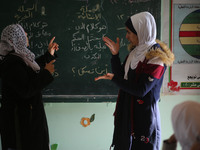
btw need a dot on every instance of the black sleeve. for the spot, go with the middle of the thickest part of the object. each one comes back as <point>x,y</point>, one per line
<point>46,58</point>
<point>117,67</point>
<point>25,82</point>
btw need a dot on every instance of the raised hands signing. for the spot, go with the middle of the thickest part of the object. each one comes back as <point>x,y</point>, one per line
<point>114,47</point>
<point>52,47</point>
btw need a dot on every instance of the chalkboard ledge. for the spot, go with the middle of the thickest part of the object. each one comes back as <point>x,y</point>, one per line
<point>79,98</point>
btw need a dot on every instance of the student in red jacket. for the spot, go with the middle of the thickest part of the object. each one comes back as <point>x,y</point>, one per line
<point>23,124</point>
<point>140,77</point>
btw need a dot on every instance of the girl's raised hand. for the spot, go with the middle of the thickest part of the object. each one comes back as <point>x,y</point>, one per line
<point>52,46</point>
<point>114,47</point>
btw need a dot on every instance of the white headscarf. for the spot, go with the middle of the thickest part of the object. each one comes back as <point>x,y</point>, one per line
<point>145,26</point>
<point>186,123</point>
<point>13,37</point>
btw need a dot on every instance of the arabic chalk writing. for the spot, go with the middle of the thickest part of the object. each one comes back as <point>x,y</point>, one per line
<point>86,70</point>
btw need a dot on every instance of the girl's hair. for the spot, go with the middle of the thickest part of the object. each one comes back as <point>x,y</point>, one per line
<point>130,47</point>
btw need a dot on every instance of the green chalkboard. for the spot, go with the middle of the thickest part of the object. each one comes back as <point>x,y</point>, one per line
<point>78,26</point>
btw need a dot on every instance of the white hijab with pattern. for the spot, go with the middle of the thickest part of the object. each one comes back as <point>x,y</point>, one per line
<point>13,37</point>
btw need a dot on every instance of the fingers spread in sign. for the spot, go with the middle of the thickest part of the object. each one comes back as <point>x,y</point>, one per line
<point>107,40</point>
<point>52,40</point>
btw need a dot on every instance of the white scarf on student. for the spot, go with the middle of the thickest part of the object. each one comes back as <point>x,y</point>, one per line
<point>186,123</point>
<point>145,26</point>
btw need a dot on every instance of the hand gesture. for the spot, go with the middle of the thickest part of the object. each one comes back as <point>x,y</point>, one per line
<point>114,47</point>
<point>52,47</point>
<point>108,76</point>
<point>50,66</point>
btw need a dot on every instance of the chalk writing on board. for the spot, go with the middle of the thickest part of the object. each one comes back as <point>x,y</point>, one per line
<point>90,27</point>
<point>88,39</point>
<point>36,29</point>
<point>25,12</point>
<point>87,36</point>
<point>91,14</point>
<point>85,70</point>
<point>43,13</point>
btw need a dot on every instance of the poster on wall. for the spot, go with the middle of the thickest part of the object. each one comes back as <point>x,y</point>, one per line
<point>185,43</point>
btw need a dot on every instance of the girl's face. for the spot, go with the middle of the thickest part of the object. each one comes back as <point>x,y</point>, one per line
<point>27,39</point>
<point>131,37</point>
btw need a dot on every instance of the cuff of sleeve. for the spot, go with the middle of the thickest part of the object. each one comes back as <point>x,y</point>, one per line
<point>114,78</point>
<point>114,56</point>
<point>51,56</point>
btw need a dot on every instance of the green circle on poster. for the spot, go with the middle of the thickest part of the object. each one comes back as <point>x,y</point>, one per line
<point>189,34</point>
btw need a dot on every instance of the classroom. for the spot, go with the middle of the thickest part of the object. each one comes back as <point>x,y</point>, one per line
<point>79,110</point>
